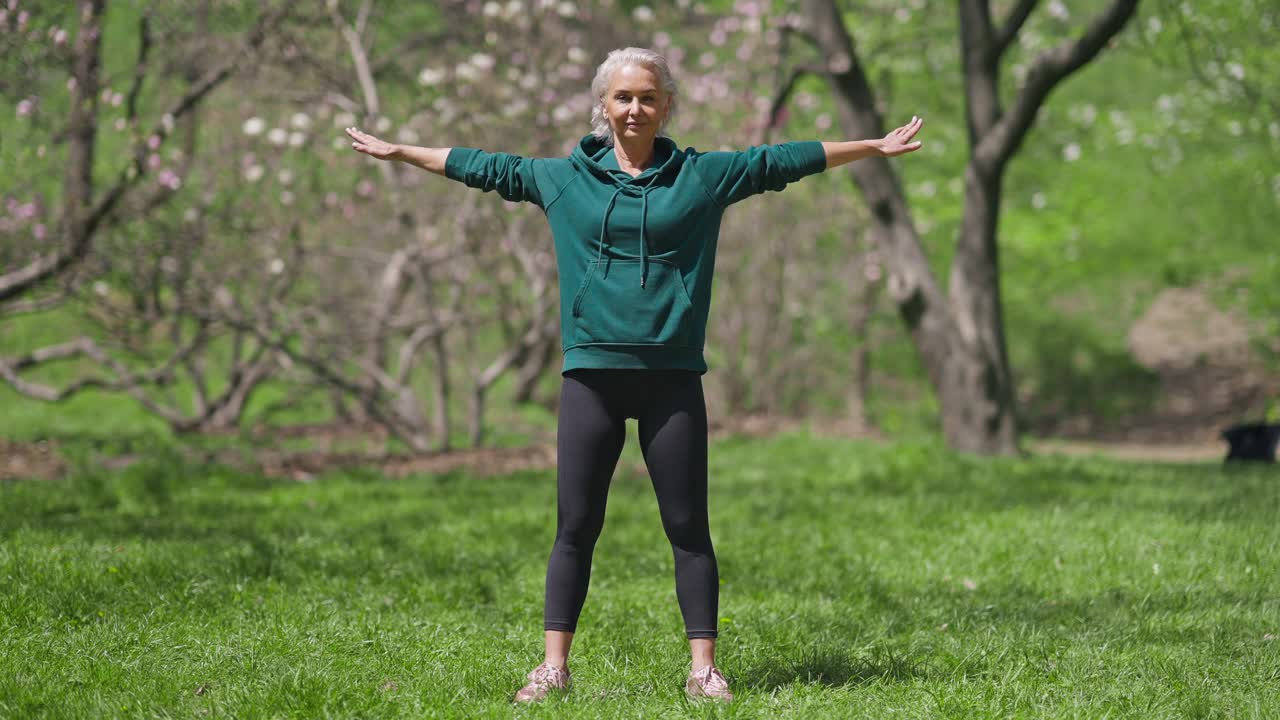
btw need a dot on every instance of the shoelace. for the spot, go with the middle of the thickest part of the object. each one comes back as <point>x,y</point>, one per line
<point>545,675</point>
<point>711,679</point>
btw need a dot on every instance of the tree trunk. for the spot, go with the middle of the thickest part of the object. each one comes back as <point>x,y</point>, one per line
<point>970,379</point>
<point>960,372</point>
<point>960,338</point>
<point>987,421</point>
<point>440,388</point>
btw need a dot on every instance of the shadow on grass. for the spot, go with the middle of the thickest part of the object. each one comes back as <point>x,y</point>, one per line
<point>834,667</point>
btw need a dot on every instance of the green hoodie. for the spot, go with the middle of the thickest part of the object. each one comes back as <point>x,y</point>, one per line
<point>635,255</point>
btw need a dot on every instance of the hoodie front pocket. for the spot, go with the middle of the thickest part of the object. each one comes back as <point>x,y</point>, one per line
<point>611,307</point>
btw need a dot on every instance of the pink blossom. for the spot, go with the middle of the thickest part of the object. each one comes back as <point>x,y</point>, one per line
<point>745,52</point>
<point>153,142</point>
<point>60,37</point>
<point>71,84</point>
<point>170,179</point>
<point>153,161</point>
<point>22,20</point>
<point>26,211</point>
<point>25,107</point>
<point>38,231</point>
<point>364,188</point>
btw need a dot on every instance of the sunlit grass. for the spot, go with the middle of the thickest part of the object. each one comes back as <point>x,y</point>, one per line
<point>858,581</point>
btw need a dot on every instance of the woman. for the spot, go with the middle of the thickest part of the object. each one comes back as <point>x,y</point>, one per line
<point>635,221</point>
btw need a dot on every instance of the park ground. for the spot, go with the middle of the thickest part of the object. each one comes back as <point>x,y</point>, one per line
<point>859,579</point>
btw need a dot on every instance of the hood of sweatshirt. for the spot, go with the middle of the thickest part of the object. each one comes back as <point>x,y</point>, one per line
<point>591,156</point>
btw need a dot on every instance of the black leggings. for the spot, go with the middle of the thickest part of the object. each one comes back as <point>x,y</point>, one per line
<point>594,405</point>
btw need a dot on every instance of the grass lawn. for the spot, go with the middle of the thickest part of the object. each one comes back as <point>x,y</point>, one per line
<point>858,581</point>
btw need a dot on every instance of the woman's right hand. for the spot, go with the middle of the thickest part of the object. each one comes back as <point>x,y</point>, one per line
<point>370,145</point>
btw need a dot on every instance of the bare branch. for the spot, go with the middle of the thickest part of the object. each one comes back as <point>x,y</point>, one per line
<point>77,224</point>
<point>139,69</point>
<point>31,305</point>
<point>781,97</point>
<point>1008,32</point>
<point>11,369</point>
<point>1049,69</point>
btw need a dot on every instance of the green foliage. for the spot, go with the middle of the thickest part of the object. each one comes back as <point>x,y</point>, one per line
<point>1153,167</point>
<point>855,579</point>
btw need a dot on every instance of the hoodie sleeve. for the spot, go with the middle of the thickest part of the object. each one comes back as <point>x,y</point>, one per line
<point>734,176</point>
<point>514,177</point>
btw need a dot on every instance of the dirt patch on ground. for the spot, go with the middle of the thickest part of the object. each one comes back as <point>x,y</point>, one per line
<point>40,460</point>
<point>1206,372</point>
<point>27,460</point>
<point>1140,452</point>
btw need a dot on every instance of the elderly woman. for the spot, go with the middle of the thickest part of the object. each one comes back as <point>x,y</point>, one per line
<point>635,221</point>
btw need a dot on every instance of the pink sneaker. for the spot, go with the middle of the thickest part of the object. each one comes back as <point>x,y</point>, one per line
<point>708,682</point>
<point>544,678</point>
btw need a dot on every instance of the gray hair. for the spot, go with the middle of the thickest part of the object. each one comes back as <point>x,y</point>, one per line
<point>616,60</point>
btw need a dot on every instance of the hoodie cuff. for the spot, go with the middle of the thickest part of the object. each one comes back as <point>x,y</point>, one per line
<point>813,159</point>
<point>455,165</point>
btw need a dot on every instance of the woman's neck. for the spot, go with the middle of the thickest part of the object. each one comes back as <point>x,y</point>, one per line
<point>634,156</point>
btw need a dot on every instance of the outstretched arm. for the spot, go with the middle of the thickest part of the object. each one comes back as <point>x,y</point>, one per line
<point>895,143</point>
<point>431,159</point>
<point>512,176</point>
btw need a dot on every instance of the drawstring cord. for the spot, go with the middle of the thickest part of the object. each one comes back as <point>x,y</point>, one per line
<point>644,237</point>
<point>644,232</point>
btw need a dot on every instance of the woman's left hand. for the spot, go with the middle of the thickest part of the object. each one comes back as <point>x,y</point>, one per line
<point>899,142</point>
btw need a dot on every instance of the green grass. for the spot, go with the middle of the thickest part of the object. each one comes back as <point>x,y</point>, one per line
<point>858,581</point>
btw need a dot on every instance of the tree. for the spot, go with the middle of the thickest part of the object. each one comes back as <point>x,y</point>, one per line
<point>37,275</point>
<point>958,332</point>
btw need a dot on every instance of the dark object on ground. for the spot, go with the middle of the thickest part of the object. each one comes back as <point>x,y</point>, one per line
<point>1254,441</point>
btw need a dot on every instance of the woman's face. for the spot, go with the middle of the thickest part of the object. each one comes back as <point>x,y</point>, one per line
<point>636,104</point>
